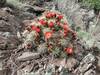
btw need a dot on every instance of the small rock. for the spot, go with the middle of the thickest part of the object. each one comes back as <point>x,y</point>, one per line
<point>71,63</point>
<point>33,9</point>
<point>4,26</point>
<point>8,41</point>
<point>9,10</point>
<point>6,34</point>
<point>98,63</point>
<point>12,42</point>
<point>28,56</point>
<point>27,68</point>
<point>1,65</point>
<point>5,72</point>
<point>90,72</point>
<point>20,72</point>
<point>91,14</point>
<point>26,23</point>
<point>58,62</point>
<point>3,42</point>
<point>26,16</point>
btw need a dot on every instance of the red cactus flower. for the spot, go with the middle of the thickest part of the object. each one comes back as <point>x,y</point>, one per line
<point>69,50</point>
<point>53,30</point>
<point>60,17</point>
<point>65,33</point>
<point>38,29</point>
<point>65,27</point>
<point>48,35</point>
<point>49,15</point>
<point>43,22</point>
<point>51,24</point>
<point>33,27</point>
<point>65,23</point>
<point>53,14</point>
<point>58,23</point>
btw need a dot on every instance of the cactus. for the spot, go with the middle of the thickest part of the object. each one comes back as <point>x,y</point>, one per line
<point>52,27</point>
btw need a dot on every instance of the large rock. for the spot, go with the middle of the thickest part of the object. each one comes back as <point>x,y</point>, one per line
<point>71,9</point>
<point>8,22</point>
<point>9,26</point>
<point>75,13</point>
<point>67,6</point>
<point>86,66</point>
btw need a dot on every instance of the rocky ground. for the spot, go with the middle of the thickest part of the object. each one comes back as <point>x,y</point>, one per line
<point>17,60</point>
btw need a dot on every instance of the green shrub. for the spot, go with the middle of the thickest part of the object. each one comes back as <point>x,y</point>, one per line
<point>94,4</point>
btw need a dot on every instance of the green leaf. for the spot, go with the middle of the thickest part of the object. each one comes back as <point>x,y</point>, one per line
<point>63,54</point>
<point>56,52</point>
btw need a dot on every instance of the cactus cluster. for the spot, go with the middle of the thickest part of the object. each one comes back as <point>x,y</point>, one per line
<point>53,30</point>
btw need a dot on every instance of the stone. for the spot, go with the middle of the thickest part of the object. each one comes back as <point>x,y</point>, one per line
<point>3,42</point>
<point>28,56</point>
<point>20,72</point>
<point>12,42</point>
<point>26,16</point>
<point>98,63</point>
<point>86,64</point>
<point>25,70</point>
<point>66,5</point>
<point>26,23</point>
<point>5,72</point>
<point>1,65</point>
<point>6,34</point>
<point>76,15</point>
<point>96,32</point>
<point>73,12</point>
<point>4,26</point>
<point>90,72</point>
<point>33,9</point>
<point>8,22</point>
<point>71,63</point>
<point>58,62</point>
<point>7,9</point>
<point>77,20</point>
<point>8,41</point>
<point>91,14</point>
<point>88,59</point>
<point>31,2</point>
